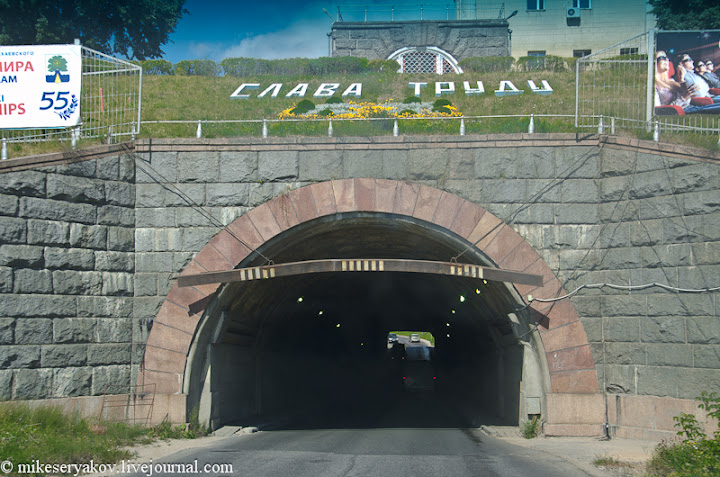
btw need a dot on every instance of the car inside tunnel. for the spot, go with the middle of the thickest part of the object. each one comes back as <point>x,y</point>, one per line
<point>312,350</point>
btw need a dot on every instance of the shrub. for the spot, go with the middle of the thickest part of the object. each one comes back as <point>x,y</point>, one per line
<point>339,64</point>
<point>197,68</point>
<point>545,63</point>
<point>487,64</point>
<point>334,100</point>
<point>531,428</point>
<point>157,67</point>
<point>245,66</point>
<point>306,104</point>
<point>390,66</point>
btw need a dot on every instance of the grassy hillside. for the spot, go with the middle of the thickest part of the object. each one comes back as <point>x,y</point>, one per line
<point>193,98</point>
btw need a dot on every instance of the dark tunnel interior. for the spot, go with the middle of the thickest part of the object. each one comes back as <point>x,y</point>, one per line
<point>312,350</point>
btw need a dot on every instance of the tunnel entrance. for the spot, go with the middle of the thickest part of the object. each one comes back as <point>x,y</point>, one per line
<point>312,350</point>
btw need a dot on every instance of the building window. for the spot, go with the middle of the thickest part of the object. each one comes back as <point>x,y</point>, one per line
<point>628,51</point>
<point>581,53</point>
<point>536,53</point>
<point>536,4</point>
<point>537,60</point>
<point>582,4</point>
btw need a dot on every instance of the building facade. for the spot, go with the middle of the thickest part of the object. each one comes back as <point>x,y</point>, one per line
<point>570,28</point>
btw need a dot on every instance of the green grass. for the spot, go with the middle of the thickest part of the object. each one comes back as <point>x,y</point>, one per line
<point>48,435</point>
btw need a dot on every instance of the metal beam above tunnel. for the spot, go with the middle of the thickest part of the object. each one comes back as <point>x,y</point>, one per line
<point>360,265</point>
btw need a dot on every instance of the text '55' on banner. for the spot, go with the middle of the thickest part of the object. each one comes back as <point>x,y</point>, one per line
<point>40,86</point>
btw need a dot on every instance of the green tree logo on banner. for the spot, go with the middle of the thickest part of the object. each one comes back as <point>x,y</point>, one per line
<point>56,65</point>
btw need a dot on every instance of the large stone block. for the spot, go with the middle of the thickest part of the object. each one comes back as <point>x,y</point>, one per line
<point>146,284</point>
<point>33,331</point>
<point>620,379</point>
<point>577,163</point>
<point>185,195</point>
<point>117,284</point>
<point>110,379</point>
<point>6,380</point>
<point>577,213</point>
<point>69,258</point>
<point>88,236</point>
<point>66,282</point>
<point>312,166</point>
<point>706,356</point>
<point>258,195</point>
<point>395,164</point>
<point>621,329</point>
<point>428,164</point>
<point>37,306</point>
<point>114,261</point>
<point>543,191</point>
<point>157,165</point>
<point>359,163</point>
<point>108,168</point>
<point>79,169</point>
<point>121,239</point>
<point>660,381</point>
<point>6,280</point>
<point>7,331</point>
<point>70,382</point>
<point>75,189</point>
<point>703,330</point>
<point>155,217</point>
<point>74,330</point>
<point>32,384</point>
<point>19,357</point>
<point>64,355</point>
<point>26,280</point>
<point>9,205</point>
<point>21,256</point>
<point>662,329</point>
<point>624,353</point>
<point>120,194</point>
<point>45,232</point>
<point>227,194</point>
<point>667,354</point>
<point>99,306</point>
<point>109,353</point>
<point>24,183</point>
<point>57,210</point>
<point>198,166</point>
<point>149,262</point>
<point>114,330</point>
<point>113,215</point>
<point>238,166</point>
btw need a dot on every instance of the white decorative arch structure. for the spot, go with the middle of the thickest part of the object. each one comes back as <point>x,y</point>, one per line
<point>425,59</point>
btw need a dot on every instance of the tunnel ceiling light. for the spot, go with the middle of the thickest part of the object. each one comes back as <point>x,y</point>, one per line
<point>448,335</point>
<point>485,282</point>
<point>462,298</point>
<point>452,311</point>
<point>337,326</point>
<point>447,324</point>
<point>320,313</point>
<point>477,291</point>
<point>300,300</point>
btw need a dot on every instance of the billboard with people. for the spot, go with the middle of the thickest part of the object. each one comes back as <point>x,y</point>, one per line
<point>686,79</point>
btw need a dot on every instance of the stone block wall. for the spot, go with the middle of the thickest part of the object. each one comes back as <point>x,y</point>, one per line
<point>462,39</point>
<point>90,250</point>
<point>614,215</point>
<point>67,278</point>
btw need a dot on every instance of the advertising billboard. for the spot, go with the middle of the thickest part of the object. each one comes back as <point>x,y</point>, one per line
<point>40,86</point>
<point>686,80</point>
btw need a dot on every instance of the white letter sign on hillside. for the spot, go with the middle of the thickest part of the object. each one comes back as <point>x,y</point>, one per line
<point>40,86</point>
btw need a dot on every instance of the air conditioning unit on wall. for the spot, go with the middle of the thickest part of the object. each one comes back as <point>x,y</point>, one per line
<point>573,12</point>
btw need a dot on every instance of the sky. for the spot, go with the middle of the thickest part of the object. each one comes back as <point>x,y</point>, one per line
<point>271,29</point>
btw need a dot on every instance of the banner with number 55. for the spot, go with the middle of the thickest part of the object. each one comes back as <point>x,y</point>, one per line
<point>40,86</point>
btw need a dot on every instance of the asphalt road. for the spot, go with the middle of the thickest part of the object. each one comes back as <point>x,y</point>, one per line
<point>399,443</point>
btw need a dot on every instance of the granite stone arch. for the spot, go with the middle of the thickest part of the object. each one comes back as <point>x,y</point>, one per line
<point>567,350</point>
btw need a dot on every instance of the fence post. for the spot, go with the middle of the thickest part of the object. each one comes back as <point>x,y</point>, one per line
<point>264,129</point>
<point>109,134</point>
<point>462,126</point>
<point>74,136</point>
<point>531,126</point>
<point>198,132</point>
<point>396,129</point>
<point>4,149</point>
<point>330,129</point>
<point>656,132</point>
<point>600,126</point>
<point>612,125</point>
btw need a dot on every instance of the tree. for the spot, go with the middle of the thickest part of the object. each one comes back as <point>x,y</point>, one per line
<point>136,29</point>
<point>686,14</point>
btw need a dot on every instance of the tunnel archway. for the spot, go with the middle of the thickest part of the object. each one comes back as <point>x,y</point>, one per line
<point>257,349</point>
